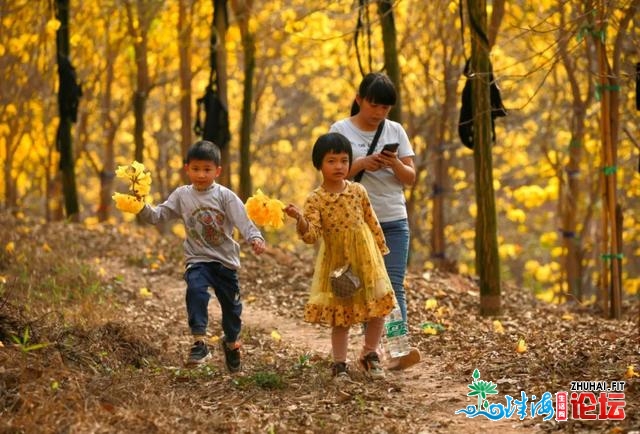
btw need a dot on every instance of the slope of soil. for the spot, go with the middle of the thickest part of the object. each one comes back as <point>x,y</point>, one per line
<point>114,358</point>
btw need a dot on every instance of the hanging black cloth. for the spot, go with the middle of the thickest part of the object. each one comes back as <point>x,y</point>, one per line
<point>215,126</point>
<point>465,122</point>
<point>70,91</point>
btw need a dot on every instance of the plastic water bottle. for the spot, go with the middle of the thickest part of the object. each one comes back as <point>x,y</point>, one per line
<point>396,337</point>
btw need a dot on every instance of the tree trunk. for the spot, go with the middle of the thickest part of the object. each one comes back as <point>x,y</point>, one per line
<point>184,52</point>
<point>64,141</point>
<point>440,167</point>
<point>607,89</point>
<point>138,30</point>
<point>242,9</point>
<point>392,67</point>
<point>220,20</point>
<point>571,179</point>
<point>486,245</point>
<point>107,173</point>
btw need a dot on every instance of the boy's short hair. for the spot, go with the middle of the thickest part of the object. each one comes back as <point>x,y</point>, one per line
<point>203,150</point>
<point>330,142</point>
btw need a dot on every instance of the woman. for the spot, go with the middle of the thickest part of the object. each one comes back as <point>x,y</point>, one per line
<point>385,173</point>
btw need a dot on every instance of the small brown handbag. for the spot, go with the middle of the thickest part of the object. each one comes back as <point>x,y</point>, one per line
<point>344,282</point>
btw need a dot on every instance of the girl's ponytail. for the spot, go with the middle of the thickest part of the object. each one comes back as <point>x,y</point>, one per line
<point>355,108</point>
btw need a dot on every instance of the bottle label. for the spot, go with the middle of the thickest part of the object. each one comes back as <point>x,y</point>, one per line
<point>395,329</point>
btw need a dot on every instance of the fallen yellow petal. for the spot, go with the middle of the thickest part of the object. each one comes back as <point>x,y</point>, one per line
<point>214,339</point>
<point>10,247</point>
<point>521,347</point>
<point>276,336</point>
<point>630,373</point>
<point>144,292</point>
<point>497,327</point>
<point>46,247</point>
<point>567,317</point>
<point>429,331</point>
<point>432,303</point>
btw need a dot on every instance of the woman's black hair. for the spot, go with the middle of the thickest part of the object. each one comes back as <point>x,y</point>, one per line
<point>377,88</point>
<point>335,143</point>
<point>203,150</point>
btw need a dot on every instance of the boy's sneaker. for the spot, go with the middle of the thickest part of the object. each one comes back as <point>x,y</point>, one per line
<point>231,355</point>
<point>198,354</point>
<point>339,370</point>
<point>372,366</point>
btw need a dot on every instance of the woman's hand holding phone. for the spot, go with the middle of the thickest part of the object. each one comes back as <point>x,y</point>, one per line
<point>388,155</point>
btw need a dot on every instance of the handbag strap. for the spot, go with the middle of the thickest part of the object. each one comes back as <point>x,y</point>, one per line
<point>374,142</point>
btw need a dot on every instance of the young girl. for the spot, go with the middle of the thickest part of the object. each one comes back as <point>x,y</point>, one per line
<point>340,215</point>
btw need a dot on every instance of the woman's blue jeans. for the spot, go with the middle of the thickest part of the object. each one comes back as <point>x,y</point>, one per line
<point>396,234</point>
<point>204,275</point>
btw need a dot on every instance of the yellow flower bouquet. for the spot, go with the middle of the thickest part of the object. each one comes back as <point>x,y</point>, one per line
<point>265,211</point>
<point>139,185</point>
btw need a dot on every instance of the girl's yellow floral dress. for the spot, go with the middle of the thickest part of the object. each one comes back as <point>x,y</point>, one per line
<point>349,232</point>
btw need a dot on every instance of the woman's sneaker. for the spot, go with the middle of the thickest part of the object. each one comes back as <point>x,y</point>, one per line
<point>339,370</point>
<point>372,366</point>
<point>231,355</point>
<point>198,354</point>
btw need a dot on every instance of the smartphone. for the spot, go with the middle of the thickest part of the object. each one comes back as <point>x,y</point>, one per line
<point>391,147</point>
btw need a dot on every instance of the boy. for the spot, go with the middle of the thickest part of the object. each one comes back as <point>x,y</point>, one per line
<point>210,212</point>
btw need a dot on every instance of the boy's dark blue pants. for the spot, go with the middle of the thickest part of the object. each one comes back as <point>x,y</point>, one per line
<point>204,275</point>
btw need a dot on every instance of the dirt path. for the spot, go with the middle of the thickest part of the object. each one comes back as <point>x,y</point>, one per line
<point>425,385</point>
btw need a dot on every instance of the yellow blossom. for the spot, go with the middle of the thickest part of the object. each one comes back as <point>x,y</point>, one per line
<point>144,292</point>
<point>276,336</point>
<point>522,346</point>
<point>128,203</point>
<point>497,327</point>
<point>10,247</point>
<point>52,26</point>
<point>139,178</point>
<point>265,211</point>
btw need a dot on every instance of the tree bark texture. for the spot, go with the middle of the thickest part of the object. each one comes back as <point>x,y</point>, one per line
<point>64,140</point>
<point>184,53</point>
<point>219,29</point>
<point>392,66</point>
<point>486,245</point>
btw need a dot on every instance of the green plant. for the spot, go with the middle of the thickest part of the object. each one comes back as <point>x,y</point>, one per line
<point>23,342</point>
<point>303,361</point>
<point>204,371</point>
<point>263,379</point>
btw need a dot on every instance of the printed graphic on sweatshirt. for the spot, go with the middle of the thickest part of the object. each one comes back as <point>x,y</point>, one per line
<point>206,226</point>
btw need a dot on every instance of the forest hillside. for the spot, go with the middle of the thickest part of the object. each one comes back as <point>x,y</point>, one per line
<point>93,338</point>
